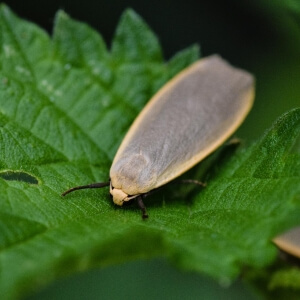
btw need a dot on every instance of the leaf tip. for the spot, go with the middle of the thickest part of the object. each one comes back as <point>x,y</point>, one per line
<point>5,9</point>
<point>134,40</point>
<point>61,16</point>
<point>130,13</point>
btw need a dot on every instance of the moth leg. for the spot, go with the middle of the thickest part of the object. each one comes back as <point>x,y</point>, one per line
<point>234,141</point>
<point>140,203</point>
<point>197,182</point>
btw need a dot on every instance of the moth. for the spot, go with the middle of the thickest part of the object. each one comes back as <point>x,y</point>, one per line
<point>185,121</point>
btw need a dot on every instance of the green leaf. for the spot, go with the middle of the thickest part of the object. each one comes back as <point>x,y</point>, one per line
<point>286,278</point>
<point>292,5</point>
<point>134,42</point>
<point>65,104</point>
<point>279,281</point>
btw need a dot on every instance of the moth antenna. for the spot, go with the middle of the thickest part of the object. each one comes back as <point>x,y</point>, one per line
<point>96,185</point>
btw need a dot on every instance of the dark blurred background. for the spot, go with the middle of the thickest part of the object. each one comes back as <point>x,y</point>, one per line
<point>261,36</point>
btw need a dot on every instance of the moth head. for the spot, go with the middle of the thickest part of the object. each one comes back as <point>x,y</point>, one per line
<point>119,197</point>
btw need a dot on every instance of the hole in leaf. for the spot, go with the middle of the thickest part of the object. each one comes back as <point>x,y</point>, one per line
<point>19,176</point>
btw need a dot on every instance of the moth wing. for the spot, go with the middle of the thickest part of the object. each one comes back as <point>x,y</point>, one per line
<point>289,241</point>
<point>185,121</point>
